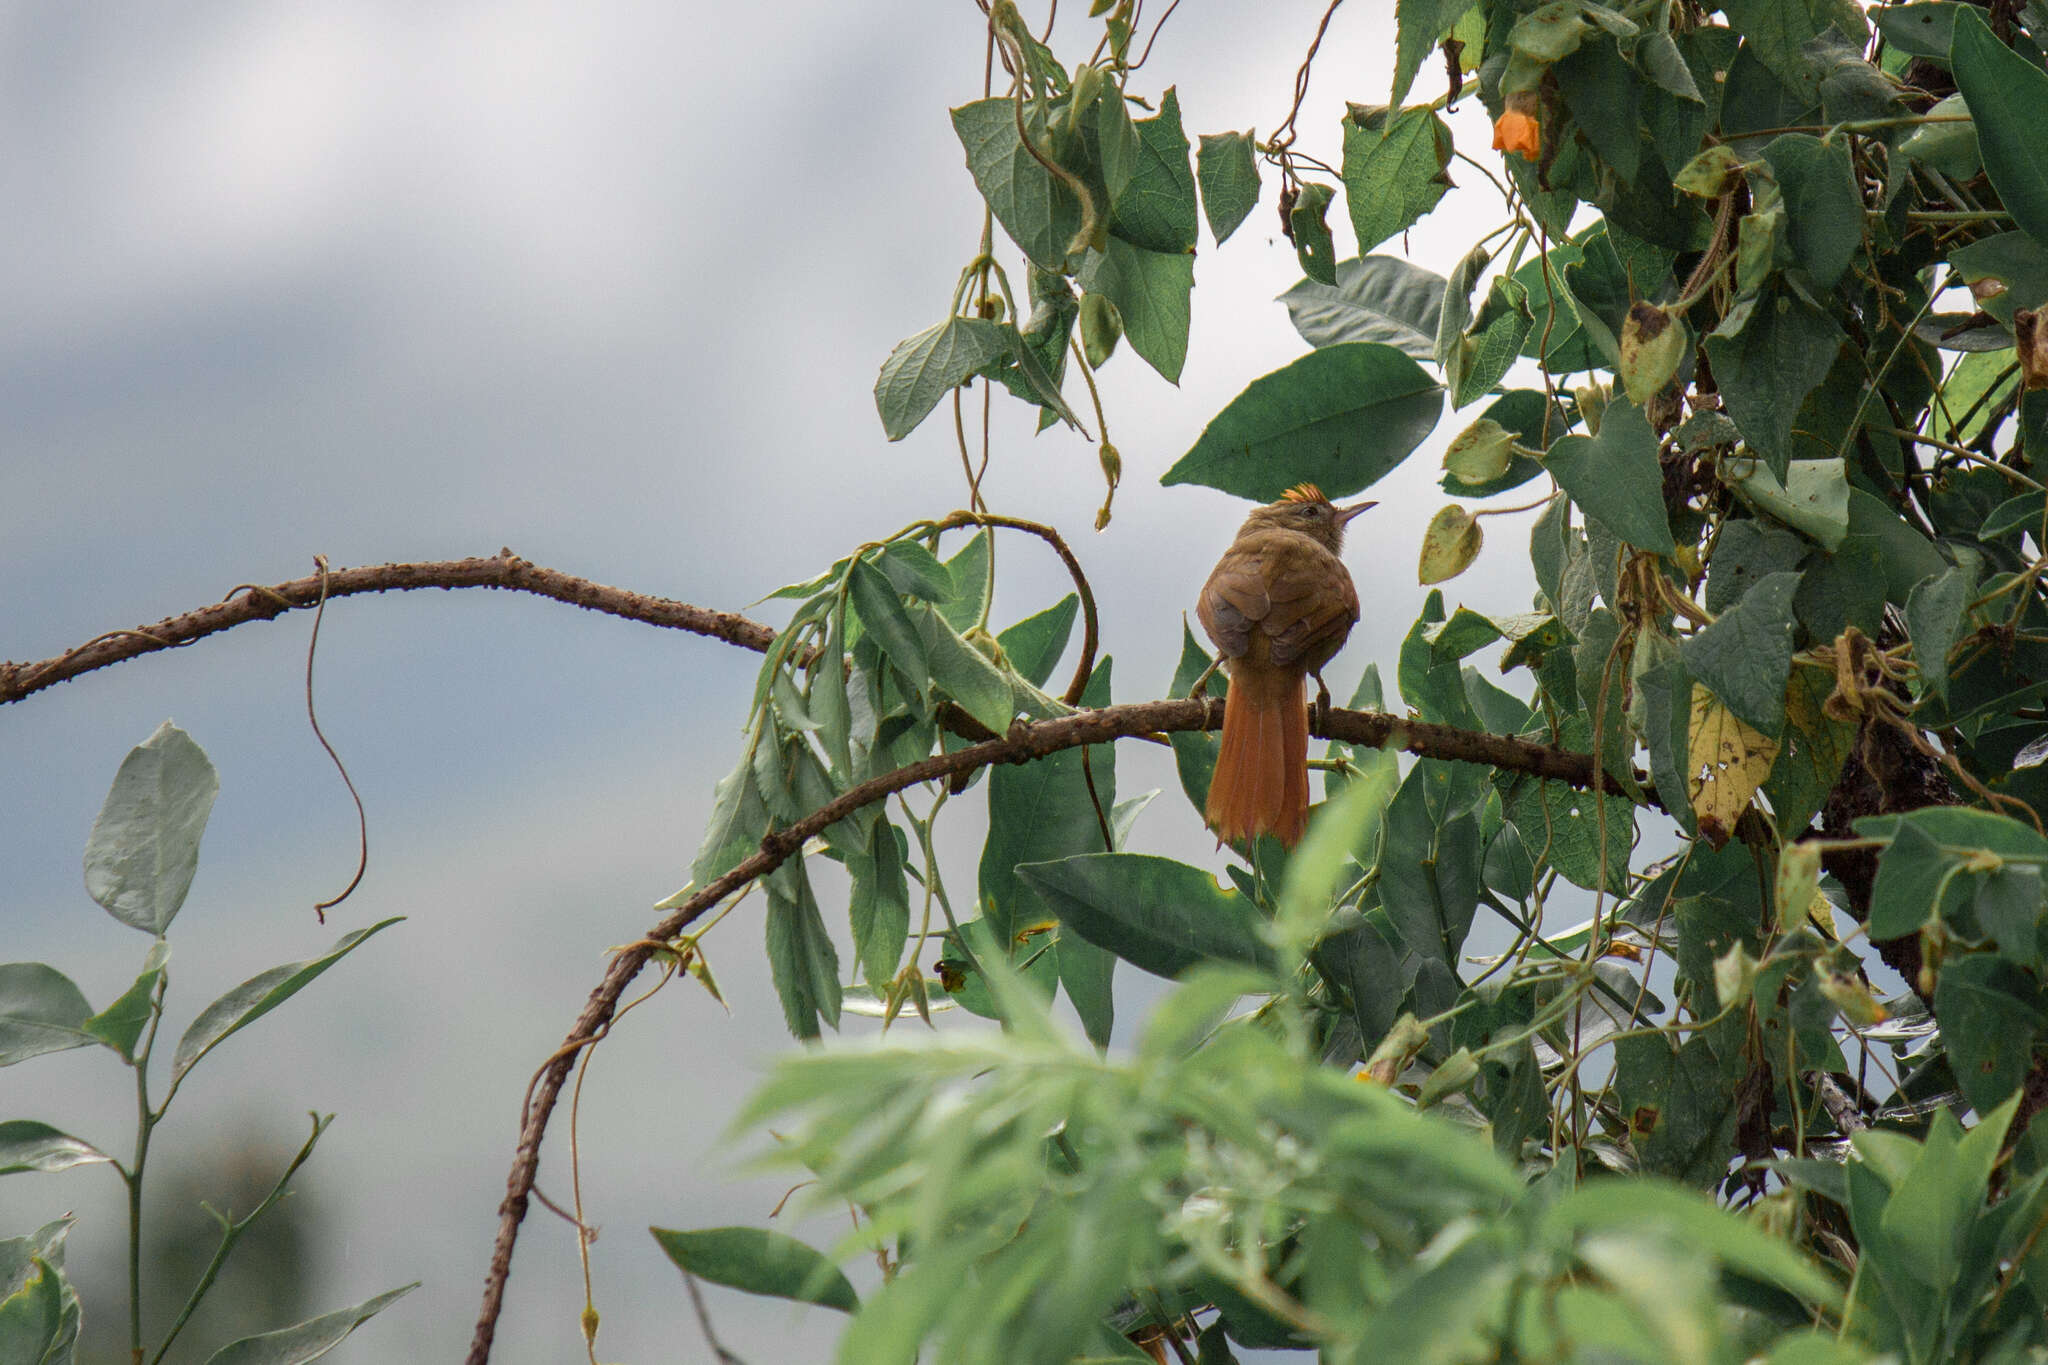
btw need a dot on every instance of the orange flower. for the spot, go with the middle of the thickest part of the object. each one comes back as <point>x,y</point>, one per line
<point>1515,131</point>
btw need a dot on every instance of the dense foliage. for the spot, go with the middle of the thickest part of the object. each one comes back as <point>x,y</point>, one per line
<point>1762,329</point>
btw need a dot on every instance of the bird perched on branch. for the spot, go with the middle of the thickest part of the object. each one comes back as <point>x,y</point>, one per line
<point>1277,606</point>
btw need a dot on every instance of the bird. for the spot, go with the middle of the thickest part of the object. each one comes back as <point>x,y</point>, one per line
<point>1277,606</point>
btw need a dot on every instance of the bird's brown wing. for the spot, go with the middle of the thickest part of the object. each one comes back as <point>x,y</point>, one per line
<point>1281,596</point>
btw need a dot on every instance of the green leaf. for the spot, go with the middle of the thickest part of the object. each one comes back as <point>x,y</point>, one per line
<point>1768,354</point>
<point>1604,94</point>
<point>1156,210</point>
<point>969,568</point>
<point>1040,214</point>
<point>1229,177</point>
<point>1150,290</point>
<point>1658,57</point>
<point>1695,1221</point>
<point>144,847</point>
<point>26,1145</point>
<point>1563,823</point>
<point>1910,875</point>
<point>1520,414</point>
<point>1744,656</point>
<point>1456,314</point>
<point>1813,755</point>
<point>1429,864</point>
<point>1158,915</point>
<point>1550,32</point>
<point>965,674</point>
<point>2006,94</point>
<point>2014,514</point>
<point>1666,692</point>
<point>1034,645</point>
<point>2008,905</point>
<point>924,368</point>
<point>1907,556</point>
<point>39,1313</point>
<point>1779,30</point>
<point>258,996</point>
<point>1824,209</point>
<point>1935,612</point>
<point>801,957</point>
<point>1039,812</point>
<point>308,1340</point>
<point>1394,173</point>
<point>739,817</point>
<point>2012,259</point>
<point>1418,26</point>
<point>1615,477</point>
<point>1313,245</point>
<point>1340,418</point>
<point>1747,551</point>
<point>1486,351</point>
<point>41,1010</point>
<point>1919,30</point>
<point>120,1024</point>
<point>915,571</point>
<point>1813,497</point>
<point>760,1262</point>
<point>1990,1012</point>
<point>881,611</point>
<point>1376,298</point>
<point>879,907</point>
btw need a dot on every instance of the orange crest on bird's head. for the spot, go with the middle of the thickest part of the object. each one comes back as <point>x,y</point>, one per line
<point>1303,492</point>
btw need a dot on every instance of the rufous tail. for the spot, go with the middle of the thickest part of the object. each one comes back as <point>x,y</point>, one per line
<point>1261,781</point>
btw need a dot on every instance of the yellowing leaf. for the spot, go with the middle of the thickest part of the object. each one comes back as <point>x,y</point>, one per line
<point>1449,545</point>
<point>1727,760</point>
<point>1480,453</point>
<point>1852,998</point>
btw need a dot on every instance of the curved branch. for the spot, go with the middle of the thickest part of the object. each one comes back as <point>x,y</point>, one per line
<point>251,602</point>
<point>1025,742</point>
<point>507,571</point>
<point>1089,636</point>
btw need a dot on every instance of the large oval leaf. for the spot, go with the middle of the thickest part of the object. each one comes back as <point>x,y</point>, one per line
<point>2006,94</point>
<point>144,846</point>
<point>1376,298</point>
<point>1154,913</point>
<point>760,1262</point>
<point>1340,417</point>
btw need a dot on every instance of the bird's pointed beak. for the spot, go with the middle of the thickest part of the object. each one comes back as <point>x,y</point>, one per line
<point>1354,510</point>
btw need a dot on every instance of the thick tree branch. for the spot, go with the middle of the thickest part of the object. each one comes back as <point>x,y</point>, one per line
<point>251,602</point>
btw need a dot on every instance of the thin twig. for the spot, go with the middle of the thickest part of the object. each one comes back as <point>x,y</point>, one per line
<point>725,1357</point>
<point>320,908</point>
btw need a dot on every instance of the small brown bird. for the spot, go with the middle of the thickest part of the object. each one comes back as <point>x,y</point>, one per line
<point>1277,606</point>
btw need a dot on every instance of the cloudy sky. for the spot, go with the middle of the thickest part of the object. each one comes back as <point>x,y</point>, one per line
<point>607,284</point>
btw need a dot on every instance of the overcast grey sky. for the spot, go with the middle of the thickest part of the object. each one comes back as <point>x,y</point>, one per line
<point>608,284</point>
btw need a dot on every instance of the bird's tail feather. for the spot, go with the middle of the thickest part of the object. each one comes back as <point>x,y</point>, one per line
<point>1261,780</point>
